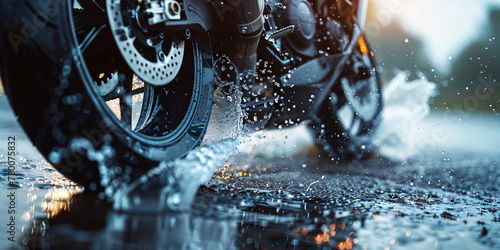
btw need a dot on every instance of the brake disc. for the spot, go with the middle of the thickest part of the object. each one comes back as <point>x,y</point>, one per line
<point>151,56</point>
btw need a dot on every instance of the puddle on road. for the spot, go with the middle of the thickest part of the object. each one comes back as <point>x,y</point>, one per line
<point>356,213</point>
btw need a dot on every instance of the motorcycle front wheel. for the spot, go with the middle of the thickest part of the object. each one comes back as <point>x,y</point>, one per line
<point>78,79</point>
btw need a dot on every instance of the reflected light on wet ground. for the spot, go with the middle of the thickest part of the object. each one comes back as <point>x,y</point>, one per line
<point>42,193</point>
<point>59,199</point>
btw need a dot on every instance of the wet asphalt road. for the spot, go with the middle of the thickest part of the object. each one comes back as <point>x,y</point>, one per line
<point>425,202</point>
<point>443,197</point>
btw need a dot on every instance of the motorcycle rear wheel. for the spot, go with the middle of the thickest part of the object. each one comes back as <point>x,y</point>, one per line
<point>350,116</point>
<point>51,60</point>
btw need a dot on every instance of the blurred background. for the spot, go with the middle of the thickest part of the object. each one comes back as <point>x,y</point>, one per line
<point>453,43</point>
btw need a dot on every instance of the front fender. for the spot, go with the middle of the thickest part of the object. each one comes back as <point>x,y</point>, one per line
<point>200,14</point>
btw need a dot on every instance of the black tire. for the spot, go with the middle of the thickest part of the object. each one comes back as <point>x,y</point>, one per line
<point>49,86</point>
<point>341,140</point>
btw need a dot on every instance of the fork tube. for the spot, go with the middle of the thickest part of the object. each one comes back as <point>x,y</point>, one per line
<point>361,14</point>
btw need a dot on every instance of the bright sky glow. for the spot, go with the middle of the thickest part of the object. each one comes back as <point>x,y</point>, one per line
<point>446,27</point>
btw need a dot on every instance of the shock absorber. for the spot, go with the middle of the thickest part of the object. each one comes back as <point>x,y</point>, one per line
<point>247,17</point>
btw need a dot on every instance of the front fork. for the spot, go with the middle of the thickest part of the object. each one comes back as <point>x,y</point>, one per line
<point>361,13</point>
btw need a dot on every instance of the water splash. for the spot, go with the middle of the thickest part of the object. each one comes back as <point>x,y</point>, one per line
<point>279,143</point>
<point>226,119</point>
<point>405,105</point>
<point>173,185</point>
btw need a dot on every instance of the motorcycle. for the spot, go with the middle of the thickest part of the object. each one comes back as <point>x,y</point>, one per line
<point>130,83</point>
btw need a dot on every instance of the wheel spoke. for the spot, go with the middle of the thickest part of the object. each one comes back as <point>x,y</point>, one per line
<point>95,13</point>
<point>92,6</point>
<point>90,37</point>
<point>146,107</point>
<point>355,126</point>
<point>346,116</point>
<point>125,86</point>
